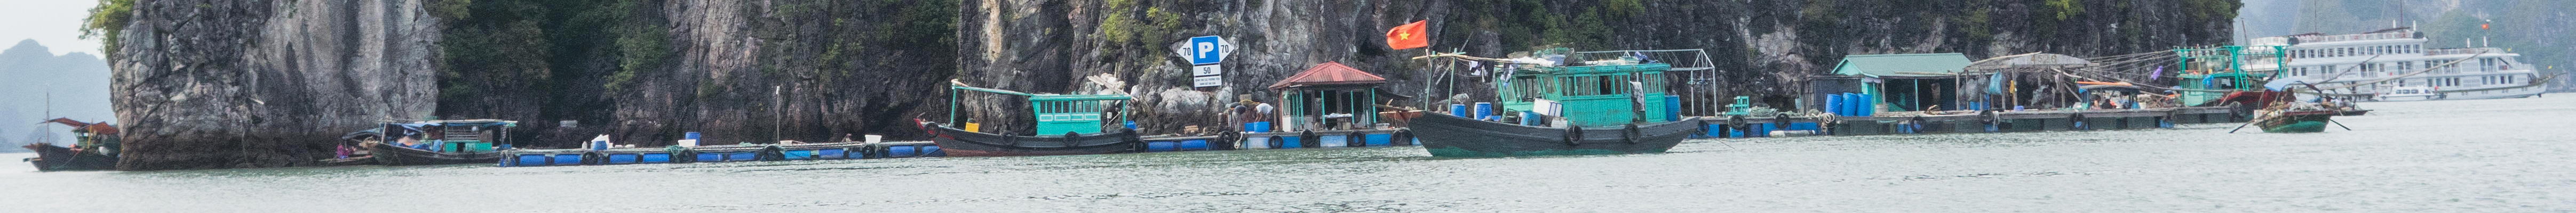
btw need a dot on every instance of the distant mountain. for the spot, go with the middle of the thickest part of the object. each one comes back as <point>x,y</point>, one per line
<point>29,72</point>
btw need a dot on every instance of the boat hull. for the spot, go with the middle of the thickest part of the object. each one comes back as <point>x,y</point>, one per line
<point>2298,122</point>
<point>390,155</point>
<point>1451,136</point>
<point>962,143</point>
<point>54,158</point>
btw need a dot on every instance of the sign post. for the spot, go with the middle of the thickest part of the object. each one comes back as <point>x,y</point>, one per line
<point>1205,52</point>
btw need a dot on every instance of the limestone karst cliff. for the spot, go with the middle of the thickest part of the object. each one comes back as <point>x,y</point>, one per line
<point>228,84</point>
<point>212,84</point>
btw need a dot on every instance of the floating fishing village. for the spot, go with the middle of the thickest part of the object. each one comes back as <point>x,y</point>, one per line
<point>1288,106</point>
<point>1562,101</point>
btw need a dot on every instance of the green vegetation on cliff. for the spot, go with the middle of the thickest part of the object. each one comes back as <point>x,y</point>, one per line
<point>106,21</point>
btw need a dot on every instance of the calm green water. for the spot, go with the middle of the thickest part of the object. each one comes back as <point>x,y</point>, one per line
<point>2514,155</point>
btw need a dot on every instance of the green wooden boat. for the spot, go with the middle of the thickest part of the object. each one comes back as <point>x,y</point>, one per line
<point>1597,107</point>
<point>2297,122</point>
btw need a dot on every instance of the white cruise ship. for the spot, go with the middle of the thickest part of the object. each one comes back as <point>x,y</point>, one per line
<point>2376,57</point>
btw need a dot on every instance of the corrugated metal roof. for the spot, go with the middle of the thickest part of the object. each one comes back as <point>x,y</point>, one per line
<point>1329,73</point>
<point>1902,65</point>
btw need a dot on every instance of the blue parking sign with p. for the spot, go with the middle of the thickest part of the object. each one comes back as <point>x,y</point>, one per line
<point>1206,50</point>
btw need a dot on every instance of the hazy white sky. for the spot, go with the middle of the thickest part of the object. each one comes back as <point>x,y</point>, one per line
<point>54,23</point>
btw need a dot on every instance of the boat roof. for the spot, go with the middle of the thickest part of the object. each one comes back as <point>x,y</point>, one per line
<point>1329,73</point>
<point>1902,65</point>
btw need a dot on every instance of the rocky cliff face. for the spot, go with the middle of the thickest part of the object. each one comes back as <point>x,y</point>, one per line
<point>215,84</point>
<point>207,84</point>
<point>1760,47</point>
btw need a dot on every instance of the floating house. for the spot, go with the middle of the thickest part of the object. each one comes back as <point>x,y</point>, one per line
<point>1329,96</point>
<point>1328,105</point>
<point>1897,82</point>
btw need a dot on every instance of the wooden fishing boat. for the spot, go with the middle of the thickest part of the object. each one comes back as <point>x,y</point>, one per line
<point>97,148</point>
<point>392,155</point>
<point>1599,107</point>
<point>442,141</point>
<point>1452,136</point>
<point>54,158</point>
<point>1067,124</point>
<point>2297,121</point>
<point>958,142</point>
<point>349,161</point>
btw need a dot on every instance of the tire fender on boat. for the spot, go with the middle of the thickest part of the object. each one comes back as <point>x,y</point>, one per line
<point>1703,125</point>
<point>1307,139</point>
<point>1630,135</point>
<point>1403,137</point>
<point>1275,142</point>
<point>2077,120</point>
<point>1070,140</point>
<point>1915,123</point>
<point>1736,123</point>
<point>1992,120</point>
<point>1573,135</point>
<point>1355,139</point>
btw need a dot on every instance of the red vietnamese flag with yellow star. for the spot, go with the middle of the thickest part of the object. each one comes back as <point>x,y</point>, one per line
<point>1408,36</point>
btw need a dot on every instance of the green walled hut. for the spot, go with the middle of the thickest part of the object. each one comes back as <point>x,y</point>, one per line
<point>1899,82</point>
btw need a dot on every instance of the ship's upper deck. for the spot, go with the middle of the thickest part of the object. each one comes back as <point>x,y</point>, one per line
<point>2387,34</point>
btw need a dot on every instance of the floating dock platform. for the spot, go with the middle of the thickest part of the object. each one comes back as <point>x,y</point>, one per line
<point>1970,122</point>
<point>721,153</point>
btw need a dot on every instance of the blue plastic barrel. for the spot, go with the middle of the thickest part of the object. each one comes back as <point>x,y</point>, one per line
<point>567,159</point>
<point>834,153</point>
<point>1263,126</point>
<point>531,160</point>
<point>1484,109</point>
<point>622,158</point>
<point>1531,118</point>
<point>900,151</point>
<point>691,136</point>
<point>1459,110</point>
<point>657,158</point>
<point>1162,146</point>
<point>799,154</point>
<point>598,145</point>
<point>1834,104</point>
<point>1672,107</point>
<point>1380,139</point>
<point>1131,124</point>
<point>1188,145</point>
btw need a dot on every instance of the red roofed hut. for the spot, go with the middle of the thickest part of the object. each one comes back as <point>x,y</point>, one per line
<point>1330,96</point>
